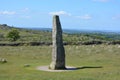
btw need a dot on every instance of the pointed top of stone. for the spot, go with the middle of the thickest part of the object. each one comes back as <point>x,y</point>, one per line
<point>56,16</point>
<point>56,19</point>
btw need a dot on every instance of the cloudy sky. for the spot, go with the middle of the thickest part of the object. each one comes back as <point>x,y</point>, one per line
<point>74,14</point>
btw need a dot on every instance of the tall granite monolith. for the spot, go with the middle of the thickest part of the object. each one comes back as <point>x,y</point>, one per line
<point>58,52</point>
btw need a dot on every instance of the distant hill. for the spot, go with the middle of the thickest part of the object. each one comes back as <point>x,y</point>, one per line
<point>69,36</point>
<point>73,31</point>
<point>25,34</point>
<point>90,34</point>
<point>69,31</point>
<point>107,34</point>
<point>4,27</point>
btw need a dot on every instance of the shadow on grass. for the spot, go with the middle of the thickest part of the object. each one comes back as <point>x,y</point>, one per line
<point>84,67</point>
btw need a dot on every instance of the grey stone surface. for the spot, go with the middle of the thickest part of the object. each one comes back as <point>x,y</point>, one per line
<point>58,52</point>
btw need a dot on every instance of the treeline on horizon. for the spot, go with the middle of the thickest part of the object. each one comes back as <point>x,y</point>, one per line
<point>39,37</point>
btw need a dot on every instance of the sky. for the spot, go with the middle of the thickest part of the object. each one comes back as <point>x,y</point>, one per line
<point>74,14</point>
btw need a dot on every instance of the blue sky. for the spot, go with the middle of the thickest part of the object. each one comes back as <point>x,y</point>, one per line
<point>74,14</point>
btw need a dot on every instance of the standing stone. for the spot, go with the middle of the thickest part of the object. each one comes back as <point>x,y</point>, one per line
<point>58,52</point>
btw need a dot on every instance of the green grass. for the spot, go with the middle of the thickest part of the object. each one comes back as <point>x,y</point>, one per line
<point>107,56</point>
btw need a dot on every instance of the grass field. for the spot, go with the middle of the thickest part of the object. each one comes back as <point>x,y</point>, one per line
<point>107,56</point>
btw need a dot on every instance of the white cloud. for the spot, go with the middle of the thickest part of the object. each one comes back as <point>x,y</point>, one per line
<point>7,12</point>
<point>60,13</point>
<point>86,17</point>
<point>101,0</point>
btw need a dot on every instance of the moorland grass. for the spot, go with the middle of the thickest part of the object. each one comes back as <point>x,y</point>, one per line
<point>90,57</point>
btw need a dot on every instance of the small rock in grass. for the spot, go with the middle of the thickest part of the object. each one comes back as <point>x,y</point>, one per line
<point>26,65</point>
<point>3,60</point>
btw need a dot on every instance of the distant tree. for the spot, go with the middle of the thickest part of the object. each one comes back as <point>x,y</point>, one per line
<point>13,35</point>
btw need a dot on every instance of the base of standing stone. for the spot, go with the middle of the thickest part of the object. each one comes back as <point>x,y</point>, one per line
<point>53,66</point>
<point>45,68</point>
